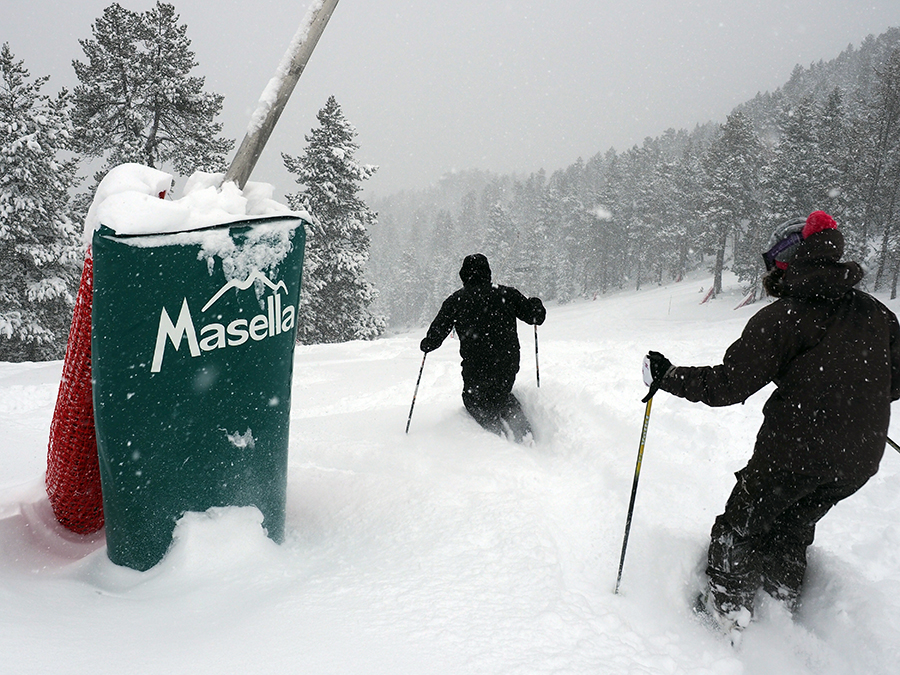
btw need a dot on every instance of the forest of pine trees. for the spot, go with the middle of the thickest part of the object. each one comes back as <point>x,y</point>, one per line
<point>705,199</point>
<point>137,101</point>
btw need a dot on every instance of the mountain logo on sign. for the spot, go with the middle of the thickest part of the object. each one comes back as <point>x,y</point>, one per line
<point>217,335</point>
<point>243,286</point>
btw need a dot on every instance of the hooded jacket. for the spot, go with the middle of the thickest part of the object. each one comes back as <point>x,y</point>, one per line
<point>833,352</point>
<point>484,316</point>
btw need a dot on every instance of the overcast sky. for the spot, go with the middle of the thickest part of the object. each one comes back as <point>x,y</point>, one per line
<point>504,85</point>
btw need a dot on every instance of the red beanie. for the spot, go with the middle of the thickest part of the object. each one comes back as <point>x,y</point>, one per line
<point>818,221</point>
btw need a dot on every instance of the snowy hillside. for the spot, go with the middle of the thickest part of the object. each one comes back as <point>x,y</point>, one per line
<point>449,550</point>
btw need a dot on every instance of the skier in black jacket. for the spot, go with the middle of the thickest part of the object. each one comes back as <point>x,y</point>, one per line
<point>834,353</point>
<point>484,316</point>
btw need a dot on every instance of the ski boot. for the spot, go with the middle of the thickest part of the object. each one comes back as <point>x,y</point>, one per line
<point>727,618</point>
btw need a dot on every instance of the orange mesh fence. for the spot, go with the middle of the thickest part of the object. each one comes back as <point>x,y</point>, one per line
<point>73,472</point>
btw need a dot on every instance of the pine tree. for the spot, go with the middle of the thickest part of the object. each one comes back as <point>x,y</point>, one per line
<point>666,232</point>
<point>831,170</point>
<point>443,262</point>
<point>793,176</point>
<point>524,212</point>
<point>631,209</point>
<point>469,224</point>
<point>137,102</point>
<point>886,178</point>
<point>39,246</point>
<point>535,264</point>
<point>412,284</point>
<point>500,239</point>
<point>733,195</point>
<point>553,268</point>
<point>688,177</point>
<point>335,299</point>
<point>612,232</point>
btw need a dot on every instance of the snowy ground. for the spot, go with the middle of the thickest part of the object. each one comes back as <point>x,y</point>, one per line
<point>449,550</point>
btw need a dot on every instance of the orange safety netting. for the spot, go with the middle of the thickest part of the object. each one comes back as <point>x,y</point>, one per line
<point>73,471</point>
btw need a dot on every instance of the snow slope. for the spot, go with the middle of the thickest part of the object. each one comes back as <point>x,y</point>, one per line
<point>449,550</point>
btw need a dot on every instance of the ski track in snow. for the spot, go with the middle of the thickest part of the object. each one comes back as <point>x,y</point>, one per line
<point>449,550</point>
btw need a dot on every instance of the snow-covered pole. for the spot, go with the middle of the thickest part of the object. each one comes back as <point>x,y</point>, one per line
<point>277,92</point>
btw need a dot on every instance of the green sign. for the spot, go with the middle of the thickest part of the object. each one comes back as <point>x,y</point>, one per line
<point>192,355</point>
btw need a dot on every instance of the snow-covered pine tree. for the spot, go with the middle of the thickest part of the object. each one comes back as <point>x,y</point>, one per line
<point>572,221</point>
<point>335,297</point>
<point>39,246</point>
<point>796,161</point>
<point>831,172</point>
<point>665,231</point>
<point>500,237</point>
<point>688,177</point>
<point>443,262</point>
<point>531,247</point>
<point>412,287</point>
<point>541,242</point>
<point>631,206</point>
<point>644,230</point>
<point>733,196</point>
<point>610,230</point>
<point>137,102</point>
<point>885,207</point>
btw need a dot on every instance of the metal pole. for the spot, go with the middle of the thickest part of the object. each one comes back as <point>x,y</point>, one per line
<point>278,91</point>
<point>415,393</point>
<point>537,366</point>
<point>637,474</point>
<point>892,444</point>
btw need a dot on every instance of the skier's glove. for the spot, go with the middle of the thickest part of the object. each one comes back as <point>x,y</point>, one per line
<point>656,367</point>
<point>427,345</point>
<point>538,310</point>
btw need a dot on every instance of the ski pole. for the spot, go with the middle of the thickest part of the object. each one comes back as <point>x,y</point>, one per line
<point>892,444</point>
<point>637,473</point>
<point>537,366</point>
<point>421,368</point>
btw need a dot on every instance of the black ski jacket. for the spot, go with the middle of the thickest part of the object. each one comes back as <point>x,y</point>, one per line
<point>834,353</point>
<point>484,316</point>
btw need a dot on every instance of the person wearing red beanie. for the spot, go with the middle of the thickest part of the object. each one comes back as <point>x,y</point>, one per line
<point>833,353</point>
<point>787,237</point>
<point>817,222</point>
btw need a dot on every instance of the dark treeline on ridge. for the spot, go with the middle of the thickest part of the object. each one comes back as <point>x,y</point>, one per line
<point>703,199</point>
<point>686,201</point>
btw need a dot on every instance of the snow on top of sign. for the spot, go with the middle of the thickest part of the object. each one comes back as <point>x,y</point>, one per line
<point>128,201</point>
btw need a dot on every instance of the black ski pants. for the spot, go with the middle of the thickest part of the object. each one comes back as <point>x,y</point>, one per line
<point>760,540</point>
<point>491,402</point>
